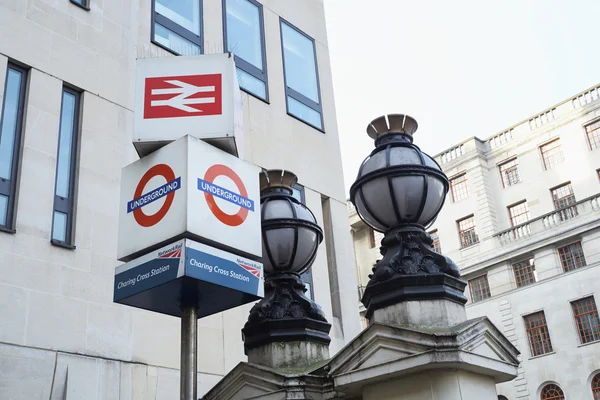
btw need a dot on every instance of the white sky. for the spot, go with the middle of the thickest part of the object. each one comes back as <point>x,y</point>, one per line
<point>462,68</point>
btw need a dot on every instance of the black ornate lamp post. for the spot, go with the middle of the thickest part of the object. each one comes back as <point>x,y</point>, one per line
<point>400,191</point>
<point>291,238</point>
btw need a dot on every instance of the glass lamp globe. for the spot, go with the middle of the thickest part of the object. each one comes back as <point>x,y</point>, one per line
<point>290,232</point>
<point>397,184</point>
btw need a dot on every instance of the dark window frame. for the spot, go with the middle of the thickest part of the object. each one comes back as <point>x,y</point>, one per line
<point>289,92</point>
<point>435,245</point>
<point>595,384</point>
<point>578,314</point>
<point>484,288</point>
<point>504,172</point>
<point>62,205</point>
<point>8,188</point>
<point>464,243</point>
<point>552,391</point>
<point>595,133</point>
<point>85,4</point>
<point>243,64</point>
<point>459,189</point>
<point>548,162</point>
<point>160,19</point>
<point>523,271</point>
<point>540,332</point>
<point>306,277</point>
<point>562,256</point>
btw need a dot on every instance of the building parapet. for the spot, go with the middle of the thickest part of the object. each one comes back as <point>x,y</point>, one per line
<point>548,117</point>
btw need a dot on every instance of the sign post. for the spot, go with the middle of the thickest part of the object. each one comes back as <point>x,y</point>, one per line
<point>189,223</point>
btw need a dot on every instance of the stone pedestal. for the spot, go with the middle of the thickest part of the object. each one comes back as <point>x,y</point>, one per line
<point>296,354</point>
<point>438,313</point>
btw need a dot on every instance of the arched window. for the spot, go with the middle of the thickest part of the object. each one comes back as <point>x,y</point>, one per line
<point>502,397</point>
<point>596,387</point>
<point>552,392</point>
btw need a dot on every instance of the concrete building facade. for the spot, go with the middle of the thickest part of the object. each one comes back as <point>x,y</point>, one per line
<point>66,84</point>
<point>522,221</point>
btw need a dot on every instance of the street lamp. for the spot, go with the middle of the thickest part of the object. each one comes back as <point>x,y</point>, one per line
<point>291,238</point>
<point>399,191</point>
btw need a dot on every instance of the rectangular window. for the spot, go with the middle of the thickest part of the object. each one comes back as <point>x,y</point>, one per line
<point>436,241</point>
<point>571,257</point>
<point>479,288</point>
<point>586,317</point>
<point>563,197</point>
<point>85,4</point>
<point>307,279</point>
<point>11,124</point>
<point>244,37</point>
<point>593,134</point>
<point>519,213</point>
<point>371,238</point>
<point>458,187</point>
<point>552,154</point>
<point>177,26</point>
<point>537,332</point>
<point>525,273</point>
<point>66,160</point>
<point>509,171</point>
<point>301,77</point>
<point>466,231</point>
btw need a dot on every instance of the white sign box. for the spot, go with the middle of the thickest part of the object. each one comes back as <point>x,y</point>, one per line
<point>190,189</point>
<point>195,95</point>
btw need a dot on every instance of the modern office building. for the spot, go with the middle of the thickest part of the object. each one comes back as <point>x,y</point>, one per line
<point>67,70</point>
<point>522,221</point>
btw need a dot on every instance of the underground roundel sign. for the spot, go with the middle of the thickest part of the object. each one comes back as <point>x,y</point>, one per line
<point>235,199</point>
<point>143,195</point>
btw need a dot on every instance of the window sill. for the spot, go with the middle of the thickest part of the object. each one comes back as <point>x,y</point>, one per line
<point>469,246</point>
<point>588,343</point>
<point>86,8</point>
<point>306,123</point>
<point>162,46</point>
<point>62,244</point>
<point>7,230</point>
<point>542,355</point>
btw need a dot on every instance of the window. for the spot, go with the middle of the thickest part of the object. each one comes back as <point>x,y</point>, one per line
<point>11,123</point>
<point>509,172</point>
<point>177,26</point>
<point>552,154</point>
<point>571,257</point>
<point>66,160</point>
<point>502,397</point>
<point>458,187</point>
<point>85,4</point>
<point>593,134</point>
<point>480,288</point>
<point>586,317</point>
<point>298,194</point>
<point>436,242</point>
<point>537,332</point>
<point>244,37</point>
<point>519,213</point>
<point>301,77</point>
<point>525,273</point>
<point>466,232</point>
<point>371,238</point>
<point>563,197</point>
<point>596,387</point>
<point>552,392</point>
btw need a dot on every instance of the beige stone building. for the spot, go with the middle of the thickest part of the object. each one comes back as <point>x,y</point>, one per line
<point>66,89</point>
<point>522,221</point>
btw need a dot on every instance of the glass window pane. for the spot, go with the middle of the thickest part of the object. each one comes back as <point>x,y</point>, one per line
<point>308,290</point>
<point>252,84</point>
<point>3,209</point>
<point>8,130</point>
<point>305,113</point>
<point>243,31</point>
<point>175,42</point>
<point>185,13</point>
<point>299,61</point>
<point>59,227</point>
<point>65,144</point>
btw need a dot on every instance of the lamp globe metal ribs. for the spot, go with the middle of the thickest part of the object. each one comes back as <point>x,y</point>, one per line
<point>290,237</point>
<point>399,191</point>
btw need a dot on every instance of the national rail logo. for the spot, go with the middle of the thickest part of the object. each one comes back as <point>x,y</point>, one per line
<point>183,96</point>
<point>211,191</point>
<point>141,199</point>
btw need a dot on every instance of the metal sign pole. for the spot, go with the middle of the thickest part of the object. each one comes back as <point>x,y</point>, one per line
<point>189,354</point>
